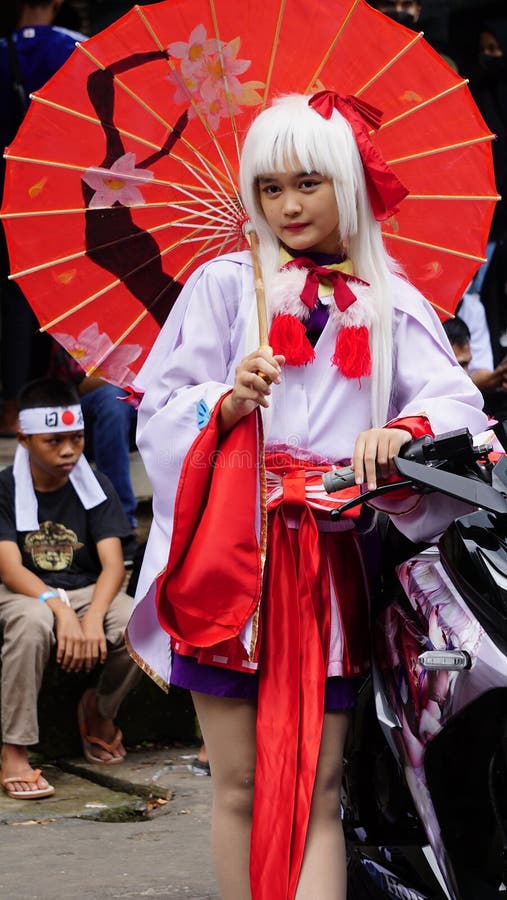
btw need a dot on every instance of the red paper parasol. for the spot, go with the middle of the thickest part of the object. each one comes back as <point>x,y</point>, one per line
<point>123,177</point>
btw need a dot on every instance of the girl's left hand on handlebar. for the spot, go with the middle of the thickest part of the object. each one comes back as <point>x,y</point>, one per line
<point>374,452</point>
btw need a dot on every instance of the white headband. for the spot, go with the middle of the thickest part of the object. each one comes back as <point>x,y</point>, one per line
<point>47,419</point>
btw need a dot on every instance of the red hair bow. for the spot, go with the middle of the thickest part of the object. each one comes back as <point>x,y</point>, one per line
<point>385,190</point>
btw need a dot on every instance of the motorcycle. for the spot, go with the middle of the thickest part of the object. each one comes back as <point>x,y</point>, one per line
<point>424,803</point>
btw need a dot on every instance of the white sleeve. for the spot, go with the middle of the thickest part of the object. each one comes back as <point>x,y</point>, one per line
<point>474,315</point>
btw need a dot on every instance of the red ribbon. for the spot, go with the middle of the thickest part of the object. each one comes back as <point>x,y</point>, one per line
<point>296,624</point>
<point>385,190</point>
<point>309,295</point>
<point>295,629</point>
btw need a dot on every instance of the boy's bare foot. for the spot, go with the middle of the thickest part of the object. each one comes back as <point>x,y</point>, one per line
<point>15,764</point>
<point>109,747</point>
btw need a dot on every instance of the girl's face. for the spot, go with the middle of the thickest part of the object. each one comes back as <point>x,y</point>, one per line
<point>300,208</point>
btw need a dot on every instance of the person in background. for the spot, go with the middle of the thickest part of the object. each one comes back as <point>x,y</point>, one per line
<point>29,56</point>
<point>109,421</point>
<point>408,13</point>
<point>478,364</point>
<point>62,570</point>
<point>488,85</point>
<point>459,338</point>
<point>405,12</point>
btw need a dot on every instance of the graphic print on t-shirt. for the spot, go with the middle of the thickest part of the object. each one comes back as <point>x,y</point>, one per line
<point>52,547</point>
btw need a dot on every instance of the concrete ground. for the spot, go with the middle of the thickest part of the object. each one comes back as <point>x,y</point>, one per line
<point>140,829</point>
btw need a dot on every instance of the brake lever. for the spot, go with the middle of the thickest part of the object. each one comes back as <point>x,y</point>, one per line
<point>369,495</point>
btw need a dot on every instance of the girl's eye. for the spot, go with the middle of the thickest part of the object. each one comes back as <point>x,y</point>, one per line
<point>270,189</point>
<point>309,183</point>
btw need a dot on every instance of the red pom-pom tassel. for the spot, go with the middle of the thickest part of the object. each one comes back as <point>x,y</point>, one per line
<point>288,337</point>
<point>352,352</point>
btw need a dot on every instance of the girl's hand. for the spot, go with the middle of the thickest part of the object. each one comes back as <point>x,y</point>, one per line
<point>252,385</point>
<point>375,450</point>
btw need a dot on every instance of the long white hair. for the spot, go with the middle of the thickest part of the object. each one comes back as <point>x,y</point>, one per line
<point>291,134</point>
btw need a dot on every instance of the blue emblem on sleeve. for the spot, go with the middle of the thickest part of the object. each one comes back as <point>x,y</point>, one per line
<point>203,414</point>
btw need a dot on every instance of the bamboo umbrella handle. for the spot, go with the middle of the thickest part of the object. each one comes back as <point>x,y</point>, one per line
<point>262,315</point>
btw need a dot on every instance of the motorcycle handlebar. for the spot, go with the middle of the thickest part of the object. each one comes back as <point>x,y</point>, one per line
<point>453,446</point>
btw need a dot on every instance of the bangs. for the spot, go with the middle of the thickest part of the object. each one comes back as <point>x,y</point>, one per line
<point>288,145</point>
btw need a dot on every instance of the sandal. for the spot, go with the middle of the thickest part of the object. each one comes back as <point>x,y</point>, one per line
<point>88,740</point>
<point>36,794</point>
<point>199,767</point>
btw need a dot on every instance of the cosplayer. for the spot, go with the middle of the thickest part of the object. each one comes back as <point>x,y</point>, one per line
<point>262,600</point>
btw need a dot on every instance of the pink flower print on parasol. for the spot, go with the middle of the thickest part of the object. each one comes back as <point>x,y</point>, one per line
<point>119,184</point>
<point>94,350</point>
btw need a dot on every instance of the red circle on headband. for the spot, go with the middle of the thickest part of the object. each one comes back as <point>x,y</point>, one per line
<point>68,417</point>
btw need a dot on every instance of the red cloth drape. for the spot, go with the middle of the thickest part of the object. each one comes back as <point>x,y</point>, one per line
<point>212,581</point>
<point>296,614</point>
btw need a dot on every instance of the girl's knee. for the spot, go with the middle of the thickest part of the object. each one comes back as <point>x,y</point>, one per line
<point>234,793</point>
<point>327,790</point>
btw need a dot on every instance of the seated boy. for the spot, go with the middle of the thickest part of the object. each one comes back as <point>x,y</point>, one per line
<point>61,568</point>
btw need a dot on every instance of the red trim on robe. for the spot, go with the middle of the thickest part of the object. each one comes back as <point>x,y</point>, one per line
<point>418,426</point>
<point>212,582</point>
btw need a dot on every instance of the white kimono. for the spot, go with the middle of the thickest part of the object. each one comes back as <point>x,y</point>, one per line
<point>315,408</point>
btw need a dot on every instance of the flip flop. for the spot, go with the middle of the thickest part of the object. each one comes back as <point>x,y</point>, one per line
<point>36,794</point>
<point>199,767</point>
<point>88,740</point>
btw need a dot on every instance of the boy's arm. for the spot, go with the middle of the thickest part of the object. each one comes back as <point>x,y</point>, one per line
<point>111,577</point>
<point>20,580</point>
<point>106,587</point>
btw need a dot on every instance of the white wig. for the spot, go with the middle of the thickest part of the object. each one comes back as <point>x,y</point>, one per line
<point>290,134</point>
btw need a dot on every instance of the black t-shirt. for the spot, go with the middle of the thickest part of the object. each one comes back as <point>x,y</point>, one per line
<point>63,550</point>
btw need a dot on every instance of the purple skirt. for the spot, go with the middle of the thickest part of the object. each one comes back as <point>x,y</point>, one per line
<point>341,693</point>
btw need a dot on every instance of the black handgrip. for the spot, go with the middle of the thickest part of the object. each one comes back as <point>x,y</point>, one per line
<point>338,479</point>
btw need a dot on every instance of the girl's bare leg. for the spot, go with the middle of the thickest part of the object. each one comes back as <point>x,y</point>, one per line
<point>228,730</point>
<point>323,873</point>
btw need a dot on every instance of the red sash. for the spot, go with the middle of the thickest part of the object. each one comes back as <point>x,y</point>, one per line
<point>295,617</point>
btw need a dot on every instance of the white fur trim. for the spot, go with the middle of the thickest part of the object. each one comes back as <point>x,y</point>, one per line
<point>284,297</point>
<point>362,312</point>
<point>284,293</point>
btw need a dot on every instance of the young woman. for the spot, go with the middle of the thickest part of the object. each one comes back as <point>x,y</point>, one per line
<point>262,596</point>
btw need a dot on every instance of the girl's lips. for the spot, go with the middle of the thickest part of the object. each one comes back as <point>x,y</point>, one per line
<point>295,227</point>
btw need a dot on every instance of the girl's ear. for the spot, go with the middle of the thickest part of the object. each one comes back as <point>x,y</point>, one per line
<point>23,439</point>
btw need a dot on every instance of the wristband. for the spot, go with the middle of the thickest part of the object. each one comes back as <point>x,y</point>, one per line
<point>48,595</point>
